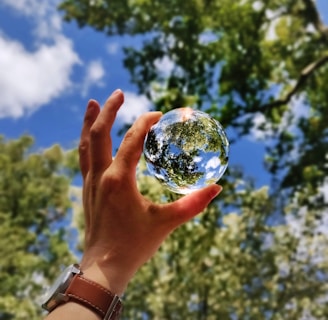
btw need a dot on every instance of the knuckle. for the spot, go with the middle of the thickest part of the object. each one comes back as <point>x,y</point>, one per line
<point>130,134</point>
<point>112,182</point>
<point>95,131</point>
<point>83,146</point>
<point>125,161</point>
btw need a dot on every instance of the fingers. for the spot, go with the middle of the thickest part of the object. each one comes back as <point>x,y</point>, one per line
<point>91,114</point>
<point>130,150</point>
<point>190,205</point>
<point>101,144</point>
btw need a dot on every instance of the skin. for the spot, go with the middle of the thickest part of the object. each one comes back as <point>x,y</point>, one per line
<point>123,228</point>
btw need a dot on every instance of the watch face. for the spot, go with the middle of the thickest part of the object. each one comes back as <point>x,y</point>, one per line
<point>52,297</point>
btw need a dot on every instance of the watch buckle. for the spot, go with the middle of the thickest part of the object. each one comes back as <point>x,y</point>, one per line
<point>61,297</point>
<point>111,308</point>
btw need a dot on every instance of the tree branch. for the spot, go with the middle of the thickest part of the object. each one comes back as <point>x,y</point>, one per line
<point>314,17</point>
<point>312,12</point>
<point>305,74</point>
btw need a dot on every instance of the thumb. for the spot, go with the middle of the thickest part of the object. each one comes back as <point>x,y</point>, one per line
<point>190,205</point>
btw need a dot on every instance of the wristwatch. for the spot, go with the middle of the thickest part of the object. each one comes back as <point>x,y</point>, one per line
<point>72,286</point>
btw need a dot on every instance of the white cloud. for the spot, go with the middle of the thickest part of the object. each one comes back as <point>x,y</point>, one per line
<point>134,106</point>
<point>258,5</point>
<point>299,107</point>
<point>94,75</point>
<point>209,175</point>
<point>164,65</point>
<point>28,7</point>
<point>324,188</point>
<point>213,163</point>
<point>259,120</point>
<point>208,37</point>
<point>43,14</point>
<point>271,34</point>
<point>31,79</point>
<point>198,159</point>
<point>262,128</point>
<point>113,48</point>
<point>48,28</point>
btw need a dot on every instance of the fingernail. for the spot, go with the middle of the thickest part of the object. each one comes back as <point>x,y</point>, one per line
<point>91,104</point>
<point>117,91</point>
<point>216,191</point>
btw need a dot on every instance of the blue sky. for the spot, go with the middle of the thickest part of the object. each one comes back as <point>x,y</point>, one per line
<point>49,69</point>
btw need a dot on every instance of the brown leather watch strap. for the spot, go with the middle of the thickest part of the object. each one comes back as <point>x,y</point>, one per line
<point>95,297</point>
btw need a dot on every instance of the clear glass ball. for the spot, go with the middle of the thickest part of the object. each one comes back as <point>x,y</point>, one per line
<point>186,150</point>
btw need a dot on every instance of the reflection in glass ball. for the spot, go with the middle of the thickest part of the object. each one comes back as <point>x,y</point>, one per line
<point>186,150</point>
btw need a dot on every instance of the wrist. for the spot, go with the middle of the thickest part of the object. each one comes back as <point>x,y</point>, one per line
<point>108,274</point>
<point>74,290</point>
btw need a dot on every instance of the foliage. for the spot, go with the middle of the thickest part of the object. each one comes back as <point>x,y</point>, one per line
<point>34,203</point>
<point>260,68</point>
<point>231,264</point>
<point>251,64</point>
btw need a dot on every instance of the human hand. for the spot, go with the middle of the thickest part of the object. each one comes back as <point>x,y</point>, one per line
<point>123,228</point>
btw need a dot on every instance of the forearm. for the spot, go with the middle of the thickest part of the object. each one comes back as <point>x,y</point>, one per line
<point>72,310</point>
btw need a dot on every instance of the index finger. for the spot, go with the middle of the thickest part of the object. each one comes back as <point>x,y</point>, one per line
<point>101,143</point>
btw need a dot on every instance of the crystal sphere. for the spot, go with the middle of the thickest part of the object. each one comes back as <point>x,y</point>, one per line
<point>186,150</point>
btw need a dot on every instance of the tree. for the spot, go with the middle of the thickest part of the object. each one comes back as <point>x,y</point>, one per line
<point>34,203</point>
<point>231,264</point>
<point>247,63</point>
<point>256,66</point>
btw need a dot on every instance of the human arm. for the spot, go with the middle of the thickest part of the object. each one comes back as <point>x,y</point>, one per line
<point>123,228</point>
